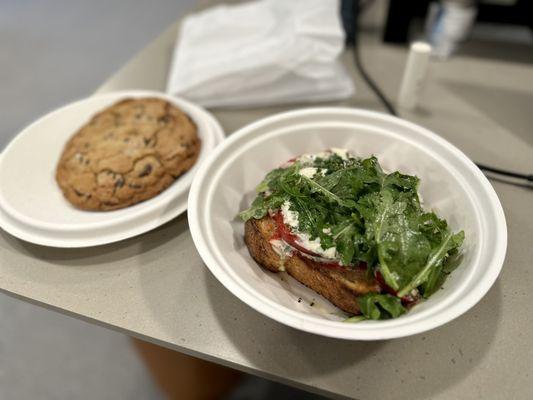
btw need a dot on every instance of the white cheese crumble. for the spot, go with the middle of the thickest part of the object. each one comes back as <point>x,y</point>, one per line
<point>289,217</point>
<point>330,253</point>
<point>315,246</point>
<point>310,158</point>
<point>327,231</point>
<point>281,248</point>
<point>308,172</point>
<point>342,153</point>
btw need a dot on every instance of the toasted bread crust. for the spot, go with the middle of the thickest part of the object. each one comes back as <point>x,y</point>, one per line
<point>340,287</point>
<point>257,234</point>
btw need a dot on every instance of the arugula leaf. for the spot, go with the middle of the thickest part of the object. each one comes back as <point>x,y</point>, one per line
<point>435,280</point>
<point>380,306</point>
<point>317,187</point>
<point>406,183</point>
<point>257,210</point>
<point>436,259</point>
<point>355,318</point>
<point>344,237</point>
<point>454,259</point>
<point>381,219</point>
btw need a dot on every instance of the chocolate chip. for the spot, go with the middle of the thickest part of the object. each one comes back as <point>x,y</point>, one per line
<point>165,119</point>
<point>146,141</point>
<point>146,171</point>
<point>80,194</point>
<point>119,183</point>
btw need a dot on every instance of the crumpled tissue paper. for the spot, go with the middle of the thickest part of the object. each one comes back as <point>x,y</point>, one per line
<point>260,53</point>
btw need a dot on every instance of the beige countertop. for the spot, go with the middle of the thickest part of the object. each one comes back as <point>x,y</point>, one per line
<point>156,287</point>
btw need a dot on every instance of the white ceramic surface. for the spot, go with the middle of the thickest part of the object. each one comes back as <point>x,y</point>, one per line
<point>450,184</point>
<point>32,206</point>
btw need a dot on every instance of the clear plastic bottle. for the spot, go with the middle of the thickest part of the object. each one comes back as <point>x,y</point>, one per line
<point>448,23</point>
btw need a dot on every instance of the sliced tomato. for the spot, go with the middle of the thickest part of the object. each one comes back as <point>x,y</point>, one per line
<point>283,230</point>
<point>284,233</point>
<point>288,163</point>
<point>407,300</point>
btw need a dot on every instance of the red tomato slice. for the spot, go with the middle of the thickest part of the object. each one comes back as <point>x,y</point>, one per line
<point>284,232</point>
<point>407,300</point>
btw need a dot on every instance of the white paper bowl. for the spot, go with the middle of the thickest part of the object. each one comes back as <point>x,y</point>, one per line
<point>32,206</point>
<point>450,184</point>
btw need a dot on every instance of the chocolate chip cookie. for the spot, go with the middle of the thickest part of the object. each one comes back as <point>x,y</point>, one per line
<point>126,154</point>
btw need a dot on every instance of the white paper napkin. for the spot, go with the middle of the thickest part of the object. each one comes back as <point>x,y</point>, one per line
<point>259,53</point>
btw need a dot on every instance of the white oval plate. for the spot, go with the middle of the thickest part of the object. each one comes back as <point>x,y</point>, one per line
<point>32,206</point>
<point>450,184</point>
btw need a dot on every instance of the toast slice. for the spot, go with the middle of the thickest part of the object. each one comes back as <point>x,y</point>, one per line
<point>340,286</point>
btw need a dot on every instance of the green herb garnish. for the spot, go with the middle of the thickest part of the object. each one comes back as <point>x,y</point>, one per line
<point>380,306</point>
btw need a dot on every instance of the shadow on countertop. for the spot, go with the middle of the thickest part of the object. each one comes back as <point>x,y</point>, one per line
<point>415,367</point>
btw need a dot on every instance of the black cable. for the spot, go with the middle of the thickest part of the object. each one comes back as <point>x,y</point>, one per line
<point>391,110</point>
<point>370,82</point>
<point>505,172</point>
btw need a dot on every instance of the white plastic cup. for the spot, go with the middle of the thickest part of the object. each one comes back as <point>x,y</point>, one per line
<point>414,76</point>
